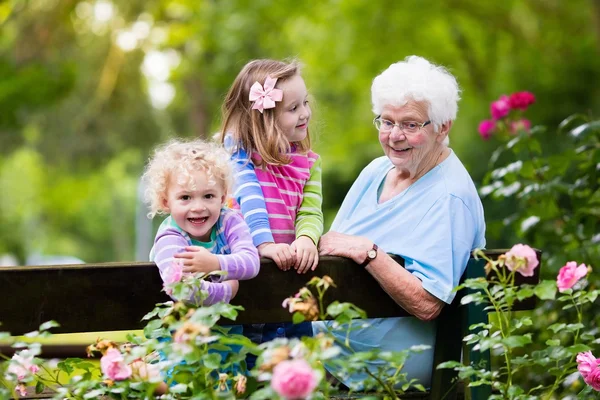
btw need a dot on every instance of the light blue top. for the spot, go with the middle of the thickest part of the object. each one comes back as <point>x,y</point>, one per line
<point>433,224</point>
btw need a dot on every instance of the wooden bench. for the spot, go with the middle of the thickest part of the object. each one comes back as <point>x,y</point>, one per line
<point>115,296</point>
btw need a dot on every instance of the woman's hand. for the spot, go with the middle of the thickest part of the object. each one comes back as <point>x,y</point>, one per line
<point>281,253</point>
<point>198,259</point>
<point>339,244</point>
<point>307,255</point>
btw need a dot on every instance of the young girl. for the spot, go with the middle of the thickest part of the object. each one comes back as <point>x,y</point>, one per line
<point>190,181</point>
<point>278,177</point>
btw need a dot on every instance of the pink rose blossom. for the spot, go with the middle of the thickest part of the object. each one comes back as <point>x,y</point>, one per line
<point>521,258</point>
<point>500,107</point>
<point>113,365</point>
<point>173,274</point>
<point>22,365</point>
<point>569,275</point>
<point>486,128</point>
<point>593,379</point>
<point>586,362</point>
<point>22,389</point>
<point>520,125</point>
<point>294,379</point>
<point>521,100</point>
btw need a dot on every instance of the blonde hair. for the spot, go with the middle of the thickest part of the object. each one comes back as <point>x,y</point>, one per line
<point>179,159</point>
<point>252,130</point>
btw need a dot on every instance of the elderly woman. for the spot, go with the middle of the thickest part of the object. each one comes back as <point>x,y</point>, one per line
<point>418,201</point>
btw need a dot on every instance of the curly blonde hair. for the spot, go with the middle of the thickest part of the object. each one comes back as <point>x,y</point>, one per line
<point>253,130</point>
<point>179,159</point>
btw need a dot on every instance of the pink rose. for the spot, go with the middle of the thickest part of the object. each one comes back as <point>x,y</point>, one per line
<point>22,389</point>
<point>586,362</point>
<point>22,365</point>
<point>500,107</point>
<point>113,365</point>
<point>486,128</point>
<point>294,379</point>
<point>569,275</point>
<point>521,100</point>
<point>521,258</point>
<point>172,274</point>
<point>520,125</point>
<point>593,379</point>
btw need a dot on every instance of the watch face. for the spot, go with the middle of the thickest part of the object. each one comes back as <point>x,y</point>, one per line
<point>371,254</point>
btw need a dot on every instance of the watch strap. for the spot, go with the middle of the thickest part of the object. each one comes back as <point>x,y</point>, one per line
<point>369,259</point>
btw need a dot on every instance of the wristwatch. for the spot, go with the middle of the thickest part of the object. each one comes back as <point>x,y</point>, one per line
<point>371,254</point>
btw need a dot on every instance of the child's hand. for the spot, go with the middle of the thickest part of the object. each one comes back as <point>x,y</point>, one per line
<point>198,259</point>
<point>235,285</point>
<point>307,255</point>
<point>281,253</point>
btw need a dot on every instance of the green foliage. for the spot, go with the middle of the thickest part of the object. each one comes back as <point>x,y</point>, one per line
<point>510,337</point>
<point>548,185</point>
<point>77,98</point>
<point>197,359</point>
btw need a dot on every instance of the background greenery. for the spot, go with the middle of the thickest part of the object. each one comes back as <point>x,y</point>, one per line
<point>77,121</point>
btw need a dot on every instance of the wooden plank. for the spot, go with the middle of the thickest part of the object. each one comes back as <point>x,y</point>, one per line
<point>115,296</point>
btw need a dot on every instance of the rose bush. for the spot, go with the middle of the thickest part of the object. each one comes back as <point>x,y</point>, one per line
<point>543,188</point>
<point>184,354</point>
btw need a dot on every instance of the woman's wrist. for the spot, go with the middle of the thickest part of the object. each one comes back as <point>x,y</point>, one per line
<point>362,249</point>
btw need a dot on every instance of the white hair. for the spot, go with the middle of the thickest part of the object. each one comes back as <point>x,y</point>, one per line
<point>417,79</point>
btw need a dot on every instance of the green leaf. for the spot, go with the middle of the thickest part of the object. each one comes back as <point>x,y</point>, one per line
<point>49,324</point>
<point>517,341</point>
<point>179,388</point>
<point>557,327</point>
<point>577,348</point>
<point>298,318</point>
<point>212,360</point>
<point>39,387</point>
<point>553,342</point>
<point>546,290</point>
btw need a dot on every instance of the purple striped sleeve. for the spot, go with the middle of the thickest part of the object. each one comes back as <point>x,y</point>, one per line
<point>243,262</point>
<point>170,242</point>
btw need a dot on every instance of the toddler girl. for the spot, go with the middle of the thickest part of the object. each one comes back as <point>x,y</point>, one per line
<point>190,181</point>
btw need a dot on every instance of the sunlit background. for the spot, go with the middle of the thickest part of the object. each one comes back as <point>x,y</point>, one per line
<point>88,88</point>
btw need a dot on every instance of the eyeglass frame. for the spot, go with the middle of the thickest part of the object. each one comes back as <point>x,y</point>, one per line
<point>399,125</point>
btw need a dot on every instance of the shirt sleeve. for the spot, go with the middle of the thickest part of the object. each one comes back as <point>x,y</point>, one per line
<point>250,197</point>
<point>309,220</point>
<point>170,242</point>
<point>442,258</point>
<point>243,261</point>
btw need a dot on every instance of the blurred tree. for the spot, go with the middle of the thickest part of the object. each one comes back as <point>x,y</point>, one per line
<point>89,87</point>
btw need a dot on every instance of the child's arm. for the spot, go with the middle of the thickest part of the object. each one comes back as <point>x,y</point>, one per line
<point>309,221</point>
<point>170,242</point>
<point>243,261</point>
<point>250,197</point>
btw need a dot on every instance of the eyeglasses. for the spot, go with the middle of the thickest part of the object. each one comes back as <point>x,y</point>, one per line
<point>408,127</point>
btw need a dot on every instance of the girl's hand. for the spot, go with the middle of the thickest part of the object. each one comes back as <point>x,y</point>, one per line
<point>198,259</point>
<point>281,253</point>
<point>339,244</point>
<point>235,285</point>
<point>307,255</point>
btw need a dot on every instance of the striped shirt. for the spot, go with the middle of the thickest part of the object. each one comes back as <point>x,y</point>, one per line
<point>230,242</point>
<point>280,202</point>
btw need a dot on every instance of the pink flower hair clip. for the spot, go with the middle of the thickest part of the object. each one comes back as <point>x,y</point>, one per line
<point>265,97</point>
